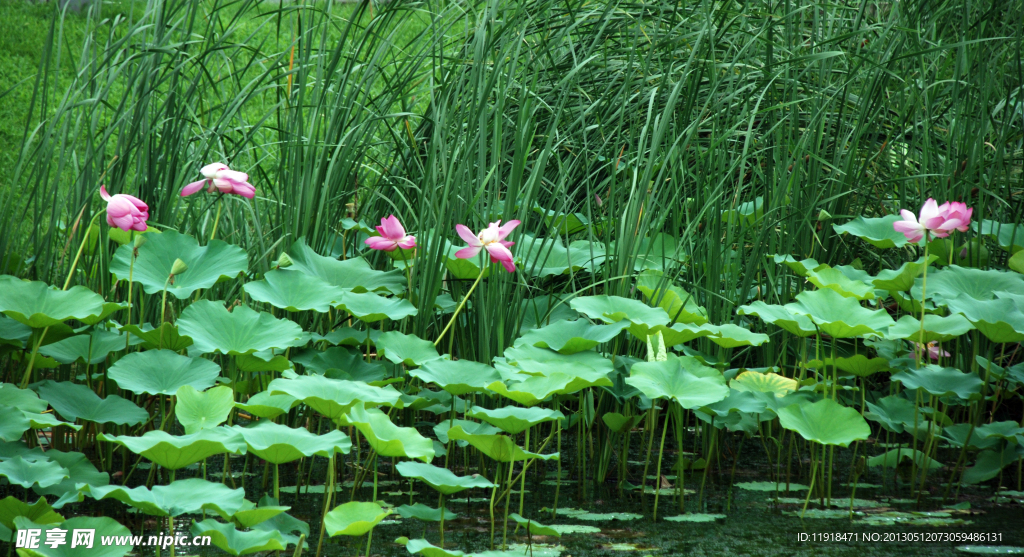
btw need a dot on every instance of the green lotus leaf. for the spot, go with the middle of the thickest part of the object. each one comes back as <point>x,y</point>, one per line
<point>998,320</point>
<point>40,512</point>
<point>476,428</point>
<point>746,213</point>
<point>743,402</point>
<point>441,479</point>
<point>81,471</point>
<point>180,497</point>
<point>564,223</point>
<point>433,401</point>
<point>207,265</point>
<point>1016,263</point>
<point>1007,430</point>
<point>351,274</point>
<point>14,333</point>
<point>681,332</point>
<point>419,511</point>
<point>859,365</point>
<point>162,372</point>
<point>894,457</point>
<point>795,323</point>
<point>677,302</point>
<point>570,337</point>
<point>514,420</point>
<point>959,435</point>
<point>612,309</point>
<point>825,422</point>
<point>941,381</point>
<point>839,317</point>
<point>165,336</point>
<point>773,383</point>
<point>370,308</point>
<point>240,331</point>
<point>961,282</point>
<point>800,268</point>
<point>35,421</point>
<point>893,412</point>
<point>902,279</point>
<point>236,542</point>
<point>682,379</point>
<point>22,399</point>
<point>266,405</point>
<point>332,397</point>
<point>387,439</point>
<point>497,447</point>
<point>255,363</point>
<point>543,310</point>
<point>733,336</point>
<point>618,423</point>
<point>294,291</point>
<point>1010,237</point>
<point>695,517</point>
<point>406,349</point>
<point>203,410</point>
<point>341,363</point>
<point>27,473</point>
<point>174,452</point>
<point>100,527</point>
<point>535,390</point>
<point>534,528</point>
<point>424,548</point>
<point>833,279</point>
<point>876,231</point>
<point>73,401</point>
<point>989,464</point>
<point>936,328</point>
<point>90,348</point>
<point>991,549</point>
<point>279,444</point>
<point>771,486</point>
<point>458,377</point>
<point>534,360</point>
<point>354,518</point>
<point>39,305</point>
<point>283,523</point>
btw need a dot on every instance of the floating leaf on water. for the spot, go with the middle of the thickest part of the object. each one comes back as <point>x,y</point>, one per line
<point>419,511</point>
<point>623,546</point>
<point>823,513</point>
<point>601,517</point>
<point>534,528</point>
<point>695,517</point>
<point>991,549</point>
<point>566,529</point>
<point>771,486</point>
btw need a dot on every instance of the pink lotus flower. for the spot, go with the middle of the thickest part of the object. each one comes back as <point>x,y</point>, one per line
<point>218,177</point>
<point>935,220</point>
<point>124,211</point>
<point>392,235</point>
<point>491,239</point>
<point>934,350</point>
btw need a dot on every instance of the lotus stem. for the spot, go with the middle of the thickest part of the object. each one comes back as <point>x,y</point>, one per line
<point>814,475</point>
<point>508,497</point>
<point>661,451</point>
<point>458,308</point>
<point>558,479</point>
<point>327,500</point>
<point>216,220</point>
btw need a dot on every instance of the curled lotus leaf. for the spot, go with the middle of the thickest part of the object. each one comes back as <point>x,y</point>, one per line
<point>825,422</point>
<point>894,413</point>
<point>895,457</point>
<point>570,337</point>
<point>833,279</point>
<point>513,419</point>
<point>441,479</point>
<point>236,542</point>
<point>178,451</point>
<point>332,397</point>
<point>733,336</point>
<point>534,390</point>
<point>39,305</point>
<point>999,320</point>
<point>875,231</point>
<point>162,372</point>
<point>353,274</point>
<point>679,304</point>
<point>39,512</point>
<point>769,382</point>
<point>27,473</point>
<point>240,331</point>
<point>91,348</point>
<point>902,279</point>
<point>279,444</point>
<point>294,291</point>
<point>180,497</point>
<point>795,323</point>
<point>839,317</point>
<point>534,528</point>
<point>74,400</point>
<point>387,439</point>
<point>203,410</point>
<point>266,405</point>
<point>936,328</point>
<point>533,360</point>
<point>410,350</point>
<point>101,527</point>
<point>370,308</point>
<point>164,336</point>
<point>682,379</point>
<point>1010,237</point>
<point>354,518</point>
<point>419,511</point>
<point>941,381</point>
<point>497,447</point>
<point>458,377</point>
<point>207,265</point>
<point>612,309</point>
<point>962,282</point>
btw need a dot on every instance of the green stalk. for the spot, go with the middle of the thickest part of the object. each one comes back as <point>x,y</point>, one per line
<point>461,304</point>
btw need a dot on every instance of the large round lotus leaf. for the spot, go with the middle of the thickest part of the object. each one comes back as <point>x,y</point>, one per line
<point>936,328</point>
<point>294,291</point>
<point>353,274</point>
<point>825,422</point>
<point>387,439</point>
<point>14,333</point>
<point>26,473</point>
<point>535,390</point>
<point>419,511</point>
<point>570,337</point>
<point>203,410</point>
<point>959,282</point>
<point>164,336</point>
<point>92,347</point>
<point>354,518</point>
<point>279,444</point>
<point>458,377</point>
<point>534,360</point>
<point>612,309</point>
<point>406,349</point>
<point>80,471</point>
<point>240,331</point>
<point>893,412</point>
<point>941,381</point>
<point>514,420</point>
<point>894,457</point>
<point>859,365</point>
<point>22,399</point>
<point>902,279</point>
<point>797,324</point>
<point>100,528</point>
<point>755,381</point>
<point>235,542</point>
<point>370,308</point>
<point>683,379</point>
<point>162,372</point>
<point>744,402</point>
<point>174,452</point>
<point>877,231</point>
<point>733,336</point>
<point>266,405</point>
<point>39,512</point>
<point>990,463</point>
<point>340,362</point>
<point>534,528</point>
<point>206,264</point>
<point>498,447</point>
<point>999,320</point>
<point>959,435</point>
<point>441,479</point>
<point>1010,237</point>
<point>73,401</point>
<point>332,397</point>
<point>180,497</point>
<point>544,310</point>
<point>677,302</point>
<point>833,279</point>
<point>38,305</point>
<point>839,317</point>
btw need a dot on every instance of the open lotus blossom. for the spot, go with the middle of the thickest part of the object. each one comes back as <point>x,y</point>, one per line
<point>934,219</point>
<point>491,239</point>
<point>218,177</point>
<point>392,235</point>
<point>934,350</point>
<point>124,211</point>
